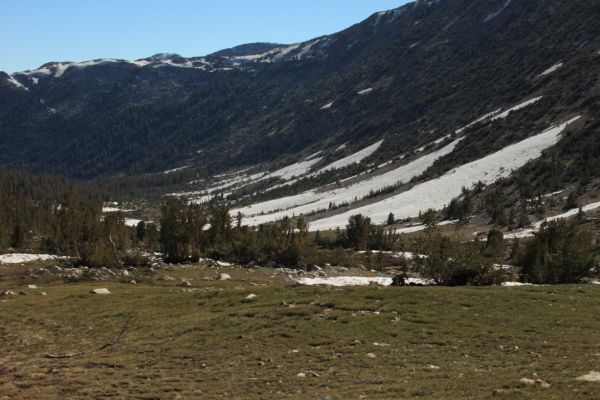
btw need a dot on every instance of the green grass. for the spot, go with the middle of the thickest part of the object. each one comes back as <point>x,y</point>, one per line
<point>439,343</point>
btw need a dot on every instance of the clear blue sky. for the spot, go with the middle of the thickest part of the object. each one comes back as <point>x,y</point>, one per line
<point>34,32</point>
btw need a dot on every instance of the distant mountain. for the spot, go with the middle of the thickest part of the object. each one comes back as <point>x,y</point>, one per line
<point>246,49</point>
<point>476,76</point>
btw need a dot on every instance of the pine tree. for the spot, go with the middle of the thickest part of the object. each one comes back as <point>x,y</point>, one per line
<point>391,220</point>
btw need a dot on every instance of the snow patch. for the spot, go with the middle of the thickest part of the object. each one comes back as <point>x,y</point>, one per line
<point>515,284</point>
<point>353,158</point>
<point>114,209</point>
<point>365,91</point>
<point>11,79</point>
<point>18,258</point>
<point>132,222</point>
<point>340,281</point>
<point>296,169</point>
<point>418,228</point>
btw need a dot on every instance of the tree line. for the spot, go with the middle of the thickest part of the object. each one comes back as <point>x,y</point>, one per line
<point>53,215</point>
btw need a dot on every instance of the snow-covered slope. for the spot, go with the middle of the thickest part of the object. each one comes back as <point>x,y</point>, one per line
<point>315,200</point>
<point>437,193</point>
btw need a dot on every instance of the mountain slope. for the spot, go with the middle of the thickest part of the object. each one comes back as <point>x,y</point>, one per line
<point>491,73</point>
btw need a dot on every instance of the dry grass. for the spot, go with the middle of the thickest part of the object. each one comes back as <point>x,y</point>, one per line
<point>350,343</point>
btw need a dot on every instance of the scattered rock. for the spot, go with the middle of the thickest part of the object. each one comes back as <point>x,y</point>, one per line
<point>531,382</point>
<point>41,272</point>
<point>186,284</point>
<point>527,381</point>
<point>251,296</point>
<point>107,271</point>
<point>22,293</point>
<point>32,287</point>
<point>7,292</point>
<point>100,291</point>
<point>593,376</point>
<point>133,282</point>
<point>42,293</point>
<point>168,278</point>
<point>301,375</point>
<point>125,273</point>
<point>223,264</point>
<point>542,383</point>
<point>289,281</point>
<point>302,265</point>
<point>371,355</point>
<point>223,277</point>
<point>284,304</point>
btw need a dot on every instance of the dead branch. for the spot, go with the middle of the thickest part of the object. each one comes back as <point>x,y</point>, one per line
<point>103,347</point>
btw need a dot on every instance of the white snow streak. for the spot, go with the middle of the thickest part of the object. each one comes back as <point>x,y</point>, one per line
<point>496,13</point>
<point>478,120</point>
<point>296,169</point>
<point>552,69</point>
<point>529,232</point>
<point>16,83</point>
<point>352,158</point>
<point>517,107</point>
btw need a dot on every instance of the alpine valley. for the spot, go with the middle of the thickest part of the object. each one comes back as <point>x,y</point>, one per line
<point>401,113</point>
<point>408,208</point>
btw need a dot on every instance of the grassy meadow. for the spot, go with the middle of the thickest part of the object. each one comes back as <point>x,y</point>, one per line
<point>155,340</point>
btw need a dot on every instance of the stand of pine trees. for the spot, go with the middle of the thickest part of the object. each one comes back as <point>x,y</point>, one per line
<point>189,232</point>
<point>54,215</point>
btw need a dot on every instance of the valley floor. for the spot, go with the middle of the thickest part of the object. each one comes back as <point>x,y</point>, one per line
<point>156,340</point>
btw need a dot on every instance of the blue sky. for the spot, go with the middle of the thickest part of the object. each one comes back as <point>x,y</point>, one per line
<point>34,32</point>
